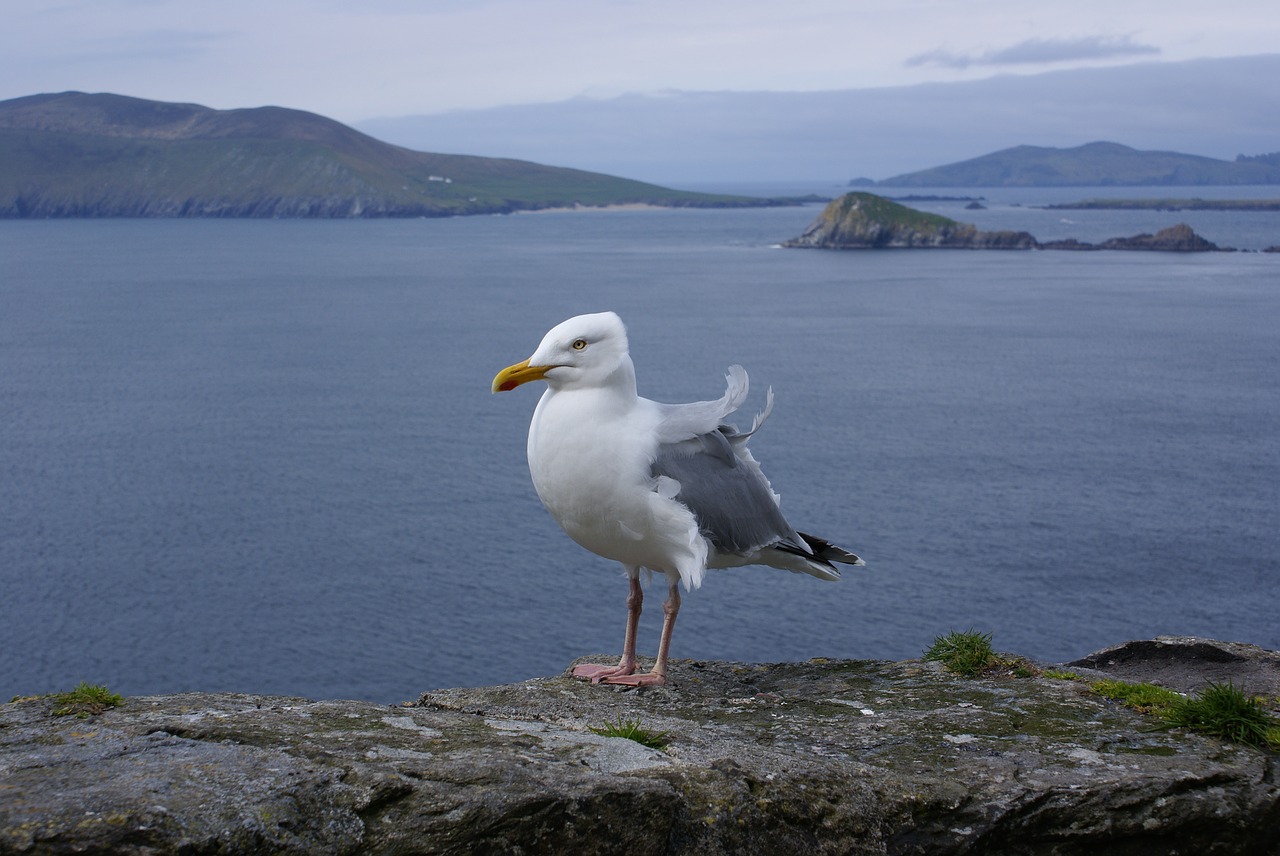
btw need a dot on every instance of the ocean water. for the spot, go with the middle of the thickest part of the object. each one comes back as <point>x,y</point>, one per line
<point>263,456</point>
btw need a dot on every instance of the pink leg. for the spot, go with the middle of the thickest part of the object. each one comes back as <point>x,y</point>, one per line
<point>627,665</point>
<point>658,676</point>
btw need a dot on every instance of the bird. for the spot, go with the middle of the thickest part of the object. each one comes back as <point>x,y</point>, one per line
<point>671,489</point>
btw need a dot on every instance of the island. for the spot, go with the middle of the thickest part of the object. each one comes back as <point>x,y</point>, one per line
<point>864,221</point>
<point>1099,164</point>
<point>1175,239</point>
<point>1194,204</point>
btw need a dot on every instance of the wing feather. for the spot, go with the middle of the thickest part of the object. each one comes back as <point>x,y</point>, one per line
<point>678,422</point>
<point>736,509</point>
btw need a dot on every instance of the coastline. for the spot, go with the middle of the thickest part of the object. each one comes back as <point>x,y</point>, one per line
<point>579,207</point>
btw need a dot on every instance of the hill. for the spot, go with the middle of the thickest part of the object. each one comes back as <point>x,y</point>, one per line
<point>1213,107</point>
<point>1092,165</point>
<point>79,155</point>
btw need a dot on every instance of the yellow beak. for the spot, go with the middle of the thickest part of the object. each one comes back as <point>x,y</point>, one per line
<point>512,376</point>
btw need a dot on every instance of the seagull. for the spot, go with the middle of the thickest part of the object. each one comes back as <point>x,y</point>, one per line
<point>667,488</point>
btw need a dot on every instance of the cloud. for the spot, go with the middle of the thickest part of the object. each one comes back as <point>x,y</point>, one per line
<point>1040,52</point>
<point>155,44</point>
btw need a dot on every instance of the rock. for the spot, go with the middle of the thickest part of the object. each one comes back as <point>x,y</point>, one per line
<point>866,221</point>
<point>817,757</point>
<point>1069,244</point>
<point>1177,239</point>
<point>1188,664</point>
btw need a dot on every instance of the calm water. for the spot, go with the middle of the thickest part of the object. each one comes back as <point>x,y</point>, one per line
<point>263,456</point>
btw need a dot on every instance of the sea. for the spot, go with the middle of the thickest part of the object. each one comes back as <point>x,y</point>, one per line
<point>263,456</point>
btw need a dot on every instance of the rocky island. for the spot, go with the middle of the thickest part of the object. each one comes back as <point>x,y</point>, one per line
<point>818,757</point>
<point>861,221</point>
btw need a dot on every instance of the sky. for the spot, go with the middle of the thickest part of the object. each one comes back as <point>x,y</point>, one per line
<point>356,60</point>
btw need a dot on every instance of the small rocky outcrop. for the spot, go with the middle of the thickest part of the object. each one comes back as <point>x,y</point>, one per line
<point>1188,664</point>
<point>800,758</point>
<point>860,221</point>
<point>1175,239</point>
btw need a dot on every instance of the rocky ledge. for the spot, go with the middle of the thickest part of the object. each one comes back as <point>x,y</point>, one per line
<point>817,757</point>
<point>860,221</point>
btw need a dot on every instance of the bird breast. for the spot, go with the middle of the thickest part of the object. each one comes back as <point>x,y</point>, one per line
<point>593,473</point>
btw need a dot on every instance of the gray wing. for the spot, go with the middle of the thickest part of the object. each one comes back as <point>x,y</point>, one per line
<point>721,483</point>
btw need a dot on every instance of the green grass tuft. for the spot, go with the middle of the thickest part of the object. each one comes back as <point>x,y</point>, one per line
<point>970,654</point>
<point>1060,675</point>
<point>965,653</point>
<point>878,209</point>
<point>85,700</point>
<point>631,729</point>
<point>1219,710</point>
<point>1222,710</point>
<point>1144,698</point>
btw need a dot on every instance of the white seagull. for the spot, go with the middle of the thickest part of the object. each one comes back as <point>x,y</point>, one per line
<point>665,487</point>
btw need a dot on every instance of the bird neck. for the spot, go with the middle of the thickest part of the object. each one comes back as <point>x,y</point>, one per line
<point>614,392</point>
<point>623,379</point>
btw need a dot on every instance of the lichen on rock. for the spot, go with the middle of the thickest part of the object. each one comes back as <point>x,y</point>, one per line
<point>816,757</point>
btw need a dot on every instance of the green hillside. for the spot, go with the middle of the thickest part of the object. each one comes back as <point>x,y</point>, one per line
<point>1092,165</point>
<point>79,155</point>
<point>862,221</point>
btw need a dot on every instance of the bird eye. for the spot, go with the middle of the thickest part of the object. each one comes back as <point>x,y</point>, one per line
<point>579,344</point>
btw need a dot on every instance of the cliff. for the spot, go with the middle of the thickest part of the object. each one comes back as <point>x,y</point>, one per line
<point>861,221</point>
<point>866,221</point>
<point>79,155</point>
<point>817,757</point>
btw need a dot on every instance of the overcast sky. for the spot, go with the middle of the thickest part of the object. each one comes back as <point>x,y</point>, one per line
<point>360,59</point>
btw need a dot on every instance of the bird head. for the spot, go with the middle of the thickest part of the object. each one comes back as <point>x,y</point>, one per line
<point>586,350</point>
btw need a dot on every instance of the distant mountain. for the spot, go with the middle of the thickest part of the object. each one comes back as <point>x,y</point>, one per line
<point>79,155</point>
<point>1213,107</point>
<point>1092,165</point>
